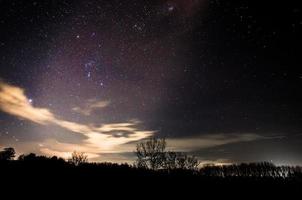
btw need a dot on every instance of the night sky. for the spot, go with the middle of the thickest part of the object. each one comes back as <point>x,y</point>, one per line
<point>218,79</point>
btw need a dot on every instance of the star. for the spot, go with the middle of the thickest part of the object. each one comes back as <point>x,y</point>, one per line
<point>138,27</point>
<point>171,8</point>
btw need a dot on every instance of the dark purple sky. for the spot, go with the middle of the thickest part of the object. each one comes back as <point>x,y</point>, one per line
<point>219,79</point>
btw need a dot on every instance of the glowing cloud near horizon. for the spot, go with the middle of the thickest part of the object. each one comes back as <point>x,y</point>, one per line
<point>98,138</point>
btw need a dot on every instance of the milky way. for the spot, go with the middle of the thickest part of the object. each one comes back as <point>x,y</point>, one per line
<point>219,80</point>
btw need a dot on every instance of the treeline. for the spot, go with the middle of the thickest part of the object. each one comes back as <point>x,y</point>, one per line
<point>152,159</point>
<point>261,169</point>
<point>79,163</point>
<point>49,165</point>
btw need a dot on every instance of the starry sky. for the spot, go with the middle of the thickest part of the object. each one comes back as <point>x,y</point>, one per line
<point>218,79</point>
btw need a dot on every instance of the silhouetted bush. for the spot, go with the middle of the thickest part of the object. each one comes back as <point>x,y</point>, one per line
<point>78,158</point>
<point>7,154</point>
<point>179,160</point>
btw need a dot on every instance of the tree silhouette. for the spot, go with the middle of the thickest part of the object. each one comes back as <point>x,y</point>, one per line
<point>27,157</point>
<point>78,158</point>
<point>150,154</point>
<point>180,160</point>
<point>7,154</point>
<point>166,165</point>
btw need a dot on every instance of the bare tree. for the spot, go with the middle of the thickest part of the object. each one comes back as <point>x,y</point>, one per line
<point>191,162</point>
<point>78,158</point>
<point>150,154</point>
<point>171,160</point>
<point>180,160</point>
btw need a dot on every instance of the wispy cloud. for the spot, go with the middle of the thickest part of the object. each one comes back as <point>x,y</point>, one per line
<point>90,106</point>
<point>108,138</point>
<point>98,138</point>
<point>211,140</point>
<point>14,102</point>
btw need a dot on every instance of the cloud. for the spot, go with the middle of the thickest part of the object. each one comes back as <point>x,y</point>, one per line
<point>65,154</point>
<point>108,138</point>
<point>176,144</point>
<point>98,138</point>
<point>207,141</point>
<point>14,102</point>
<point>91,106</point>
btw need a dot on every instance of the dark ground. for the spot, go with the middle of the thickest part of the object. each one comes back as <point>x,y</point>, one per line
<point>54,175</point>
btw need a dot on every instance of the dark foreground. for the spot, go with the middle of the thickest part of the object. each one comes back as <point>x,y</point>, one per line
<point>57,173</point>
